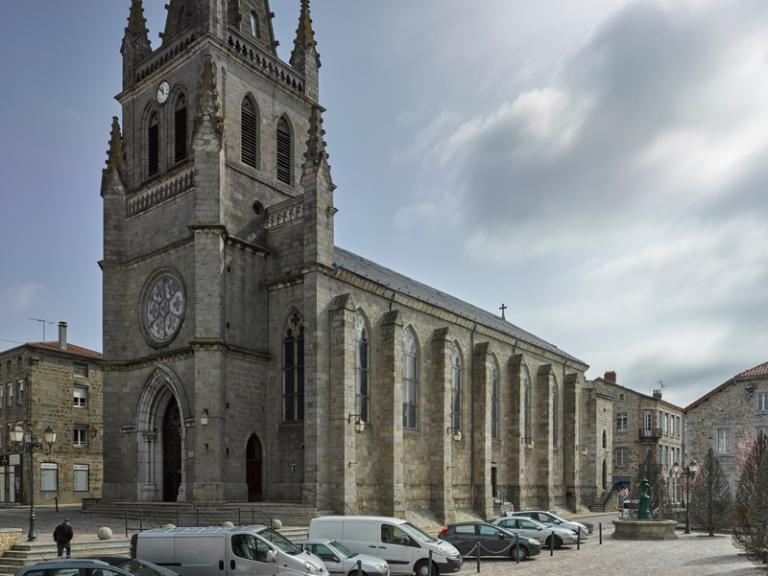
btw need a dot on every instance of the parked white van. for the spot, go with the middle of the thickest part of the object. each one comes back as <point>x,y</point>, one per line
<point>250,551</point>
<point>402,545</point>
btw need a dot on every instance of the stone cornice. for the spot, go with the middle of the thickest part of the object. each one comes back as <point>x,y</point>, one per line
<point>186,352</point>
<point>164,251</point>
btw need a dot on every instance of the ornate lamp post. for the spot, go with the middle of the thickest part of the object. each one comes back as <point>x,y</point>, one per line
<point>27,444</point>
<point>690,473</point>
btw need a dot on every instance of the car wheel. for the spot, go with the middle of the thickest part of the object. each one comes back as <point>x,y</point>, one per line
<point>422,569</point>
<point>519,553</point>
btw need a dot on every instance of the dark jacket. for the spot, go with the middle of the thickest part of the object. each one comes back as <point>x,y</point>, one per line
<point>63,534</point>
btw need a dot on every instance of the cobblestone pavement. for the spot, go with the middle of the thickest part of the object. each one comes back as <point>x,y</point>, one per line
<point>85,525</point>
<point>693,555</point>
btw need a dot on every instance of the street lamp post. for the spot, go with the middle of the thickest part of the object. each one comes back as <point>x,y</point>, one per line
<point>27,444</point>
<point>690,473</point>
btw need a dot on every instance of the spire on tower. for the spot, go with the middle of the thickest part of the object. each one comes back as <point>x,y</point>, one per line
<point>136,45</point>
<point>316,157</point>
<point>304,58</point>
<point>115,159</point>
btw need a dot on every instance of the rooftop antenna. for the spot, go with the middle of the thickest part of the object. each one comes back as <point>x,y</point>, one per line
<point>43,322</point>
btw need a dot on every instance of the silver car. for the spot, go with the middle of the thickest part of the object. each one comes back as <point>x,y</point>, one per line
<point>340,560</point>
<point>532,529</point>
<point>550,519</point>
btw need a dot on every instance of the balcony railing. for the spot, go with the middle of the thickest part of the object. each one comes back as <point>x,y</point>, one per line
<point>650,433</point>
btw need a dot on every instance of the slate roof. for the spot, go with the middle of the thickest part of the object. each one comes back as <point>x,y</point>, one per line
<point>72,349</point>
<point>759,371</point>
<point>394,281</point>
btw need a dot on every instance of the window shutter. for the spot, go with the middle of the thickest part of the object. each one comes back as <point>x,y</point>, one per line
<point>284,152</point>
<point>153,146</point>
<point>248,133</point>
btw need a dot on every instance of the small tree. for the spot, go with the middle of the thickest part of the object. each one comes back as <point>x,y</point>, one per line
<point>750,532</point>
<point>711,495</point>
<point>651,470</point>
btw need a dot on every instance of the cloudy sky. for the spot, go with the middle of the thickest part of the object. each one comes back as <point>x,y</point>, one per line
<point>598,166</point>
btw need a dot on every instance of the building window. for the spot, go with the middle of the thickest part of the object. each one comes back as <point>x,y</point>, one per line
<point>494,481</point>
<point>621,422</point>
<point>254,24</point>
<point>80,436</point>
<point>621,457</point>
<point>2,395</point>
<point>153,145</point>
<point>456,389</point>
<point>21,392</point>
<point>80,370</point>
<point>648,452</point>
<point>249,134</point>
<point>723,439</point>
<point>293,371</point>
<point>49,477</point>
<point>648,422</point>
<point>621,397</point>
<point>410,379</point>
<point>679,426</point>
<point>80,479</point>
<point>527,406</point>
<point>762,402</point>
<point>80,397</point>
<point>555,415</point>
<point>284,151</point>
<point>10,393</point>
<point>495,404</point>
<point>664,427</point>
<point>180,129</point>
<point>362,373</point>
<point>605,438</point>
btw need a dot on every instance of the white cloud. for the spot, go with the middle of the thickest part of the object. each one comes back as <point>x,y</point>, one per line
<point>20,297</point>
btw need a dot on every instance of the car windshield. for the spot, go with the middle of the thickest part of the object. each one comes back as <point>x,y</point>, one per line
<point>532,521</point>
<point>416,533</point>
<point>280,541</point>
<point>343,551</point>
<point>139,568</point>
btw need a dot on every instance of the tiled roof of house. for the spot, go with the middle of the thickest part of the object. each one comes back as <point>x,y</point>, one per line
<point>758,371</point>
<point>388,278</point>
<point>71,349</point>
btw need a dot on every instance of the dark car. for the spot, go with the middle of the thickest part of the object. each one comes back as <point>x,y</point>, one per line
<point>494,542</point>
<point>135,566</point>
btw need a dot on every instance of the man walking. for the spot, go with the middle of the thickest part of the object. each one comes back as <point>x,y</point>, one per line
<point>63,537</point>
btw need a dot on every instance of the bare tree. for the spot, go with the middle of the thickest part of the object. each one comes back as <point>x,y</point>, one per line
<point>711,495</point>
<point>750,532</point>
<point>650,470</point>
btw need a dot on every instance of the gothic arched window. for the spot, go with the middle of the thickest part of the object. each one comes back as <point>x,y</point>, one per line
<point>153,145</point>
<point>527,406</point>
<point>249,133</point>
<point>555,415</point>
<point>495,404</point>
<point>254,24</point>
<point>293,371</point>
<point>180,128</point>
<point>362,372</point>
<point>456,367</point>
<point>284,151</point>
<point>605,439</point>
<point>410,379</point>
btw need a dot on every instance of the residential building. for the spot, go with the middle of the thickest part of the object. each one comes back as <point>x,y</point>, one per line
<point>643,426</point>
<point>724,416</point>
<point>54,384</point>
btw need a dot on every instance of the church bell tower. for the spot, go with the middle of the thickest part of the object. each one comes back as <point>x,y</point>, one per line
<point>219,147</point>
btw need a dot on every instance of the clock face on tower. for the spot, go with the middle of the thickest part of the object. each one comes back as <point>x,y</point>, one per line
<point>163,91</point>
<point>163,308</point>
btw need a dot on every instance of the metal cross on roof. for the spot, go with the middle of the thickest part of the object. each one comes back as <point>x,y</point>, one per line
<point>503,311</point>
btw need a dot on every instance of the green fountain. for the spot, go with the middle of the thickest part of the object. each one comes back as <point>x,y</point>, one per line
<point>644,527</point>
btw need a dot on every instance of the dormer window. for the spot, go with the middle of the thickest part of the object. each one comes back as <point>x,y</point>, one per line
<point>254,24</point>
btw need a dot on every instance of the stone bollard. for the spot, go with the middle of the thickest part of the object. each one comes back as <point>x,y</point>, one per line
<point>104,533</point>
<point>228,524</point>
<point>169,526</point>
<point>277,524</point>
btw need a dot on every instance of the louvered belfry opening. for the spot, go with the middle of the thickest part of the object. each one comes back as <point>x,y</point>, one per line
<point>180,132</point>
<point>153,145</point>
<point>284,151</point>
<point>248,132</point>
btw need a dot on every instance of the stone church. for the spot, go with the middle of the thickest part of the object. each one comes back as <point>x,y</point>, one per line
<point>246,357</point>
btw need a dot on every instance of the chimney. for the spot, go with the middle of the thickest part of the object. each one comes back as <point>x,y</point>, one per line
<point>610,377</point>
<point>63,335</point>
<point>657,394</point>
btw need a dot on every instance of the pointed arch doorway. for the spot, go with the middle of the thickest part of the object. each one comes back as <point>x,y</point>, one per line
<point>171,452</point>
<point>253,469</point>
